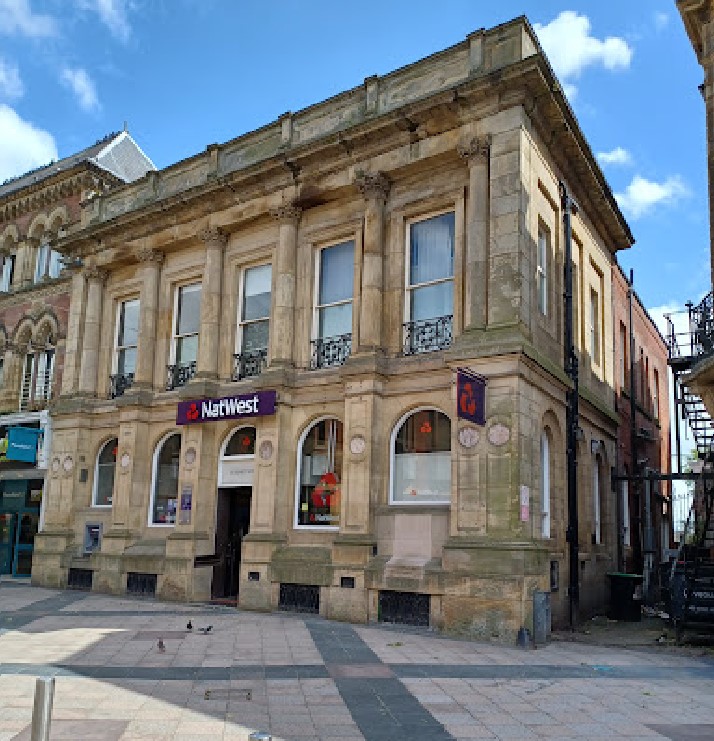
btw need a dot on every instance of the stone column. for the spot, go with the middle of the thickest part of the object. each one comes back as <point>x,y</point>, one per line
<point>92,330</point>
<point>26,270</point>
<point>476,263</point>
<point>75,331</point>
<point>374,186</point>
<point>207,365</point>
<point>148,309</point>
<point>283,326</point>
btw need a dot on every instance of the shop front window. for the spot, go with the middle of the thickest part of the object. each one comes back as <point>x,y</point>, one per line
<point>165,481</point>
<point>104,474</point>
<point>320,475</point>
<point>421,459</point>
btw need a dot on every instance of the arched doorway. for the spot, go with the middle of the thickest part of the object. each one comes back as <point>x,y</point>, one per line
<point>235,488</point>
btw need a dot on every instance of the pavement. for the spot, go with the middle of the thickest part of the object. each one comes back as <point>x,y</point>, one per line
<point>301,677</point>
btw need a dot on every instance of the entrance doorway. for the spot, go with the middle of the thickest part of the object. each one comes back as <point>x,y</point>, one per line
<point>19,521</point>
<point>232,525</point>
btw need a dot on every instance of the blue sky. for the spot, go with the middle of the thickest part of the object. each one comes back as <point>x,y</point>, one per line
<point>187,73</point>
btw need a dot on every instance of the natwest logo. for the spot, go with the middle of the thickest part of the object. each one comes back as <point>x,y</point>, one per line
<point>256,404</point>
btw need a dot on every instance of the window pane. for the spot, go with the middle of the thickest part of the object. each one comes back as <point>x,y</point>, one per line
<point>335,320</point>
<point>106,466</point>
<point>255,336</point>
<point>129,323</point>
<point>422,477</point>
<point>166,484</point>
<point>126,361</point>
<point>189,309</point>
<point>242,442</point>
<point>336,273</point>
<point>55,264</point>
<point>256,293</point>
<point>321,475</point>
<point>432,301</point>
<point>431,249</point>
<point>41,265</point>
<point>425,431</point>
<point>187,349</point>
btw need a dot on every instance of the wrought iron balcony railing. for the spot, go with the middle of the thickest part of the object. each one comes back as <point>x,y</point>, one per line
<point>179,374</point>
<point>690,333</point>
<point>328,352</point>
<point>249,364</point>
<point>119,383</point>
<point>428,335</point>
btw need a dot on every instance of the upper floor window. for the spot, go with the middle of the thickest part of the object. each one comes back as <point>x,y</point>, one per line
<point>597,499</point>
<point>253,322</point>
<point>545,483</point>
<point>623,356</point>
<point>542,269</point>
<point>8,270</point>
<point>37,372</point>
<point>626,538</point>
<point>655,395</point>
<point>127,338</point>
<point>48,264</point>
<point>429,301</point>
<point>595,342</point>
<point>104,474</point>
<point>319,475</point>
<point>184,341</point>
<point>332,321</point>
<point>421,459</point>
<point>164,481</point>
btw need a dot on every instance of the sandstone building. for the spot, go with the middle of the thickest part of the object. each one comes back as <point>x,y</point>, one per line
<point>259,387</point>
<point>35,210</point>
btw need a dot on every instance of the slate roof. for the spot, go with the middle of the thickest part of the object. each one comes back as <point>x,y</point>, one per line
<point>117,153</point>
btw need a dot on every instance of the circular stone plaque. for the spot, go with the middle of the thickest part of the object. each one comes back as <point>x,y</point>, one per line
<point>265,451</point>
<point>190,456</point>
<point>358,445</point>
<point>499,434</point>
<point>125,460</point>
<point>468,437</point>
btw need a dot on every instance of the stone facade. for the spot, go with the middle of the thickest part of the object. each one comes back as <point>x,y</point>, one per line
<point>365,495</point>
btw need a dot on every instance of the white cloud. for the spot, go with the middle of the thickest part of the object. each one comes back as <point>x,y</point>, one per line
<point>112,13</point>
<point>661,20</point>
<point>17,18</point>
<point>571,48</point>
<point>10,82</point>
<point>617,156</point>
<point>82,86</point>
<point>642,195</point>
<point>22,145</point>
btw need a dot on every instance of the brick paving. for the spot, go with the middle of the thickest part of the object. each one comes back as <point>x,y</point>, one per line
<point>301,677</point>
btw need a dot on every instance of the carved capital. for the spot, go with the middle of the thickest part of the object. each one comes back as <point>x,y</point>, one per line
<point>145,254</point>
<point>32,241</point>
<point>373,185</point>
<point>213,237</point>
<point>286,214</point>
<point>476,151</point>
<point>93,273</point>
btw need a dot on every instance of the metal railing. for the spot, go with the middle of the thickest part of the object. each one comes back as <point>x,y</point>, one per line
<point>696,338</point>
<point>249,364</point>
<point>328,352</point>
<point>179,374</point>
<point>428,335</point>
<point>119,383</point>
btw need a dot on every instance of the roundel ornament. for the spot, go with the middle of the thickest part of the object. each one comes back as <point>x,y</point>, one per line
<point>468,437</point>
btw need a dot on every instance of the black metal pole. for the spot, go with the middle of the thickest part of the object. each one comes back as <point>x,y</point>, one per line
<point>571,370</point>
<point>635,526</point>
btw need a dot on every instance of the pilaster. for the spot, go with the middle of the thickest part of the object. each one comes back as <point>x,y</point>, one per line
<point>208,340</point>
<point>151,261</point>
<point>92,328</point>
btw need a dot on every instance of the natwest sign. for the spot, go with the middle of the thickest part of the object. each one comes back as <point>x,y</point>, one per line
<point>256,404</point>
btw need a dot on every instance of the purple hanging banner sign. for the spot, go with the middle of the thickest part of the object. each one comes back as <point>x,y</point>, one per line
<point>471,396</point>
<point>255,404</point>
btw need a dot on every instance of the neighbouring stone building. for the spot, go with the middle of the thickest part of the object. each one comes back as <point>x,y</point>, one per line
<point>259,391</point>
<point>645,514</point>
<point>36,209</point>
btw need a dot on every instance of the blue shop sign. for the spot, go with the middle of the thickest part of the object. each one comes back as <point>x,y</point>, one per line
<point>22,444</point>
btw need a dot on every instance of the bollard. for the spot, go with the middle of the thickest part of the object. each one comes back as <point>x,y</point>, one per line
<point>42,709</point>
<point>260,736</point>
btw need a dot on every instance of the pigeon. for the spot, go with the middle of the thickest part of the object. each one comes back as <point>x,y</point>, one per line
<point>206,630</point>
<point>161,645</point>
<point>189,625</point>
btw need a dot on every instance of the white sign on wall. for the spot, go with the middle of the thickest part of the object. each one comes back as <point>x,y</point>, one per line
<point>236,473</point>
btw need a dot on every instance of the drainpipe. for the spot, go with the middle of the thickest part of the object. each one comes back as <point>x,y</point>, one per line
<point>635,516</point>
<point>571,370</point>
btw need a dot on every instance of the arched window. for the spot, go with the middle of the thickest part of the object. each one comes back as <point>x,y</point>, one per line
<point>242,442</point>
<point>421,459</point>
<point>164,485</point>
<point>545,483</point>
<point>597,528</point>
<point>319,475</point>
<point>236,464</point>
<point>104,474</point>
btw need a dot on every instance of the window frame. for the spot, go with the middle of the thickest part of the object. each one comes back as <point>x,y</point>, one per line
<point>626,527</point>
<point>655,394</point>
<point>32,396</point>
<point>154,468</point>
<point>409,222</point>
<point>542,256</point>
<point>117,324</point>
<point>7,274</point>
<point>298,474</point>
<point>597,502</point>
<point>316,306</point>
<point>95,483</point>
<point>595,332</point>
<point>546,485</point>
<point>392,444</point>
<point>175,336</point>
<point>241,293</point>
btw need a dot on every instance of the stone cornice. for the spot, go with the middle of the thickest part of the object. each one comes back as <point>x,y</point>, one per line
<point>213,237</point>
<point>373,185</point>
<point>146,254</point>
<point>288,213</point>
